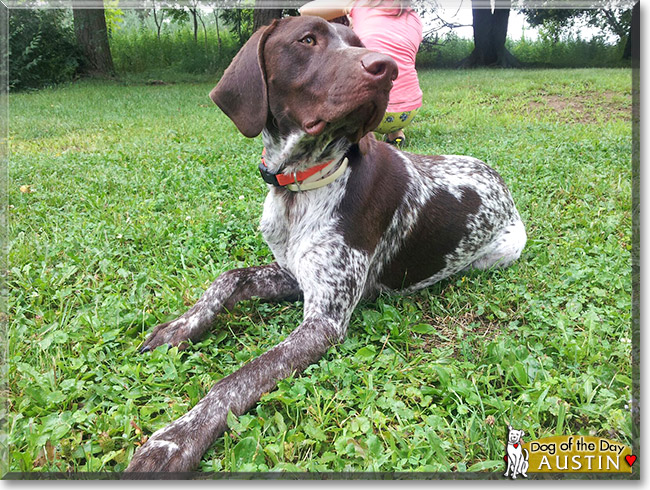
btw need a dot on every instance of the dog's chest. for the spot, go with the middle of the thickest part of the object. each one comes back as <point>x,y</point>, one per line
<point>294,224</point>
<point>515,452</point>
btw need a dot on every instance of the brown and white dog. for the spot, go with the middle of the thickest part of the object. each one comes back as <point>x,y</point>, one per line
<point>346,216</point>
<point>516,455</point>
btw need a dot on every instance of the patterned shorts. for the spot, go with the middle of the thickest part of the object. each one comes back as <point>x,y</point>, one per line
<point>393,121</point>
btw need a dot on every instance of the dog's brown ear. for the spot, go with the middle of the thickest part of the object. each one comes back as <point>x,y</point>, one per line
<point>241,92</point>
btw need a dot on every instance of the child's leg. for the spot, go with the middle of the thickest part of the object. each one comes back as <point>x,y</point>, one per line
<point>393,123</point>
<point>395,135</point>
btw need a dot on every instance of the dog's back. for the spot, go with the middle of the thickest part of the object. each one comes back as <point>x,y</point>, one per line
<point>424,218</point>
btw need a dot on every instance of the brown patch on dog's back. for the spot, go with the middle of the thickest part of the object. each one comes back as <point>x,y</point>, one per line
<point>436,234</point>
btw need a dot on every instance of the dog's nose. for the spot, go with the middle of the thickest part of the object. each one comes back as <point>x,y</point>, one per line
<point>379,66</point>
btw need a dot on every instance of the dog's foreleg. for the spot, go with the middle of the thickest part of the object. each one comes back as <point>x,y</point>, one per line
<point>179,446</point>
<point>329,300</point>
<point>269,282</point>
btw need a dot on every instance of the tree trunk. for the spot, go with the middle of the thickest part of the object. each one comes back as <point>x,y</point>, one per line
<point>239,33</point>
<point>216,21</point>
<point>92,37</point>
<point>490,30</point>
<point>155,19</point>
<point>264,16</point>
<point>632,43</point>
<point>205,34</point>
<point>193,11</point>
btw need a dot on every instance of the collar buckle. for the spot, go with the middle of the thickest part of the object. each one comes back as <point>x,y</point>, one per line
<point>268,177</point>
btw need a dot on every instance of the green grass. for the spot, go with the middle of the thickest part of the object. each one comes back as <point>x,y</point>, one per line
<point>142,195</point>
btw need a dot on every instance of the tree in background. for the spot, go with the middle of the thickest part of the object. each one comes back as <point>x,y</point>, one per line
<point>490,30</point>
<point>263,15</point>
<point>92,36</point>
<point>42,48</point>
<point>114,16</point>
<point>633,37</point>
<point>215,12</point>
<point>241,20</point>
<point>158,17</point>
<point>616,19</point>
<point>193,7</point>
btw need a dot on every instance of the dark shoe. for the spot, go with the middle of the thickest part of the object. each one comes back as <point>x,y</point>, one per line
<point>398,142</point>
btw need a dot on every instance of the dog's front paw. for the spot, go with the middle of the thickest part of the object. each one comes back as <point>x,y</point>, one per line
<point>176,332</point>
<point>159,455</point>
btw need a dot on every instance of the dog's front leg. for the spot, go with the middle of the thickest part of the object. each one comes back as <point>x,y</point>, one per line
<point>179,446</point>
<point>269,282</point>
<point>329,297</point>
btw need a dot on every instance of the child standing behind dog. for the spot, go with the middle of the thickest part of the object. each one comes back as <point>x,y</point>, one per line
<point>390,27</point>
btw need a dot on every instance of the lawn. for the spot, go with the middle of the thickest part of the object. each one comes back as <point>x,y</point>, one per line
<point>127,200</point>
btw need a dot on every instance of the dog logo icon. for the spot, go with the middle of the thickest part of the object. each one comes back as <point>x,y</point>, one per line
<point>516,456</point>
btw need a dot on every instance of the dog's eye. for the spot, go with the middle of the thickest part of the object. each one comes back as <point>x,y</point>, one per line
<point>309,40</point>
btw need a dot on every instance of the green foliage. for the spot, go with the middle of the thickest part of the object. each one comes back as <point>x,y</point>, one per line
<point>557,22</point>
<point>566,51</point>
<point>141,195</point>
<point>42,48</point>
<point>140,51</point>
<point>241,21</point>
<point>114,15</point>
<point>445,52</point>
<point>136,48</point>
<point>177,15</point>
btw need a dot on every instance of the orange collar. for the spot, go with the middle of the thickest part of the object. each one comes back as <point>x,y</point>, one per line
<point>283,180</point>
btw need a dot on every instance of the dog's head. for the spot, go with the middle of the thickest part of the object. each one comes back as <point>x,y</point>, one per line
<point>514,435</point>
<point>302,73</point>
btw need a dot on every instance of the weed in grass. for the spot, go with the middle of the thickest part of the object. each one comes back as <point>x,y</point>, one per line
<point>135,208</point>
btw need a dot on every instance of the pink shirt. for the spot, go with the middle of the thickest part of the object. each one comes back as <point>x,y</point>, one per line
<point>399,37</point>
